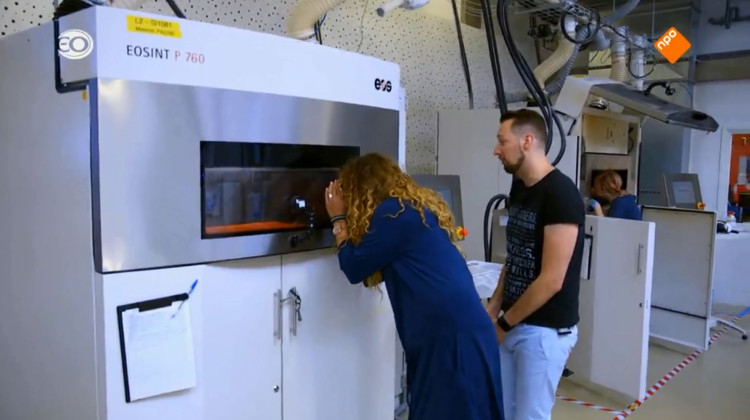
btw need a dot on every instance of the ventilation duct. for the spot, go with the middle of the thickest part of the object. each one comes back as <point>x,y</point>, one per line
<point>304,14</point>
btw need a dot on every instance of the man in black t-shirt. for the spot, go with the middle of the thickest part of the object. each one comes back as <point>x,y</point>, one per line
<point>538,287</point>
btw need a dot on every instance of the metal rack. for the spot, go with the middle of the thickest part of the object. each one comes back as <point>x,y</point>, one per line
<point>551,10</point>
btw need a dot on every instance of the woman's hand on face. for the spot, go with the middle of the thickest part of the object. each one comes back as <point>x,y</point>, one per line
<point>334,201</point>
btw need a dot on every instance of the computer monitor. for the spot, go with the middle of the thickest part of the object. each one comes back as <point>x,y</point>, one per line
<point>449,186</point>
<point>683,190</point>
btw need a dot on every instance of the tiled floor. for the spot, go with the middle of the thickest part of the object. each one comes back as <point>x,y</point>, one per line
<point>716,386</point>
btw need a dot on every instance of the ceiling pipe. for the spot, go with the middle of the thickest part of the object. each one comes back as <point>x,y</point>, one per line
<point>303,16</point>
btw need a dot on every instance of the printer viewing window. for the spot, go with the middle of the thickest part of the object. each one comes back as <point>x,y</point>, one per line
<point>258,188</point>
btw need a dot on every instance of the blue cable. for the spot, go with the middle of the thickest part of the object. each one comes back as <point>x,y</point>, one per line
<point>323,19</point>
<point>739,315</point>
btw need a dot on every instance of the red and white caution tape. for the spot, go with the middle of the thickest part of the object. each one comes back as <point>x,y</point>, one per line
<point>588,405</point>
<point>668,377</point>
<point>622,414</point>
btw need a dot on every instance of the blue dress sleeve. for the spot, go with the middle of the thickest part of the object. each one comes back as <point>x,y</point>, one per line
<point>380,246</point>
<point>625,207</point>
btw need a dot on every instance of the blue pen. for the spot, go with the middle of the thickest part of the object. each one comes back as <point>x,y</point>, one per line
<point>192,287</point>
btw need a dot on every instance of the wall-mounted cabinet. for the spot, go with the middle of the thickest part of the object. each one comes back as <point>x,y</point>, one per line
<point>609,140</point>
<point>605,134</point>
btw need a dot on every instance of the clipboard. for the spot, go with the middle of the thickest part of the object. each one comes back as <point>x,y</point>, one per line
<point>156,347</point>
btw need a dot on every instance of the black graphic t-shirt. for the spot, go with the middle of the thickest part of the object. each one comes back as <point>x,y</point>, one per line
<point>553,200</point>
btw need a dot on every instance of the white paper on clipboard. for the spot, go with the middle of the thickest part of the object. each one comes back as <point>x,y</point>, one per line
<point>159,350</point>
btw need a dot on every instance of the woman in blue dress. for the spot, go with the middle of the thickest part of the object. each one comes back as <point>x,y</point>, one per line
<point>607,191</point>
<point>389,230</point>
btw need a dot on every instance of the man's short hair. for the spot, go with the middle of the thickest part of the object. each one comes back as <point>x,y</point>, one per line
<point>528,119</point>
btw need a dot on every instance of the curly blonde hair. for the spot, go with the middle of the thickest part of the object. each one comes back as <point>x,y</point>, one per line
<point>368,180</point>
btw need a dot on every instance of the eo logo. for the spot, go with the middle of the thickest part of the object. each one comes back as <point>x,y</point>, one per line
<point>75,44</point>
<point>383,85</point>
<point>672,45</point>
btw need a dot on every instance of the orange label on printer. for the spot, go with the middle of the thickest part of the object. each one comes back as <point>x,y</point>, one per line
<point>152,26</point>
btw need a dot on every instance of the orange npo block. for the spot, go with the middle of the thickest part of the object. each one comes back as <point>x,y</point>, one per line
<point>672,45</point>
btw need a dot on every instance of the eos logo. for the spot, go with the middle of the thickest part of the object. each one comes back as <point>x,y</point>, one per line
<point>75,44</point>
<point>383,85</point>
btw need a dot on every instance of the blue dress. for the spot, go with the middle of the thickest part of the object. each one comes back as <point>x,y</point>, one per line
<point>452,356</point>
<point>625,207</point>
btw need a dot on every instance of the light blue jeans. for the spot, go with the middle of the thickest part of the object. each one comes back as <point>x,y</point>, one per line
<point>532,360</point>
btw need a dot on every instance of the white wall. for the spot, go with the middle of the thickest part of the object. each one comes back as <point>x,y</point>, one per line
<point>716,38</point>
<point>729,103</point>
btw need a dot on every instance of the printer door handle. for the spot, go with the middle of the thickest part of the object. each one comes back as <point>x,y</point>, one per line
<point>639,265</point>
<point>278,316</point>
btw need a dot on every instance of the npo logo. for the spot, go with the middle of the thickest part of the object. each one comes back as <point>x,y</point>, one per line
<point>672,45</point>
<point>75,44</point>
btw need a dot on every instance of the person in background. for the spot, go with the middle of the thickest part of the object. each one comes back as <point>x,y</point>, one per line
<point>539,284</point>
<point>607,190</point>
<point>390,230</point>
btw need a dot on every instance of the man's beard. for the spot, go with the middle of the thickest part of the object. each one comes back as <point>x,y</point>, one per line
<point>512,168</point>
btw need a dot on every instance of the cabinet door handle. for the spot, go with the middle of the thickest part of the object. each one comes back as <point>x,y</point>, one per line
<point>278,317</point>
<point>639,270</point>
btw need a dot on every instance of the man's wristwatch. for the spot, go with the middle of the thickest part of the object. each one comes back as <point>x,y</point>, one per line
<point>503,324</point>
